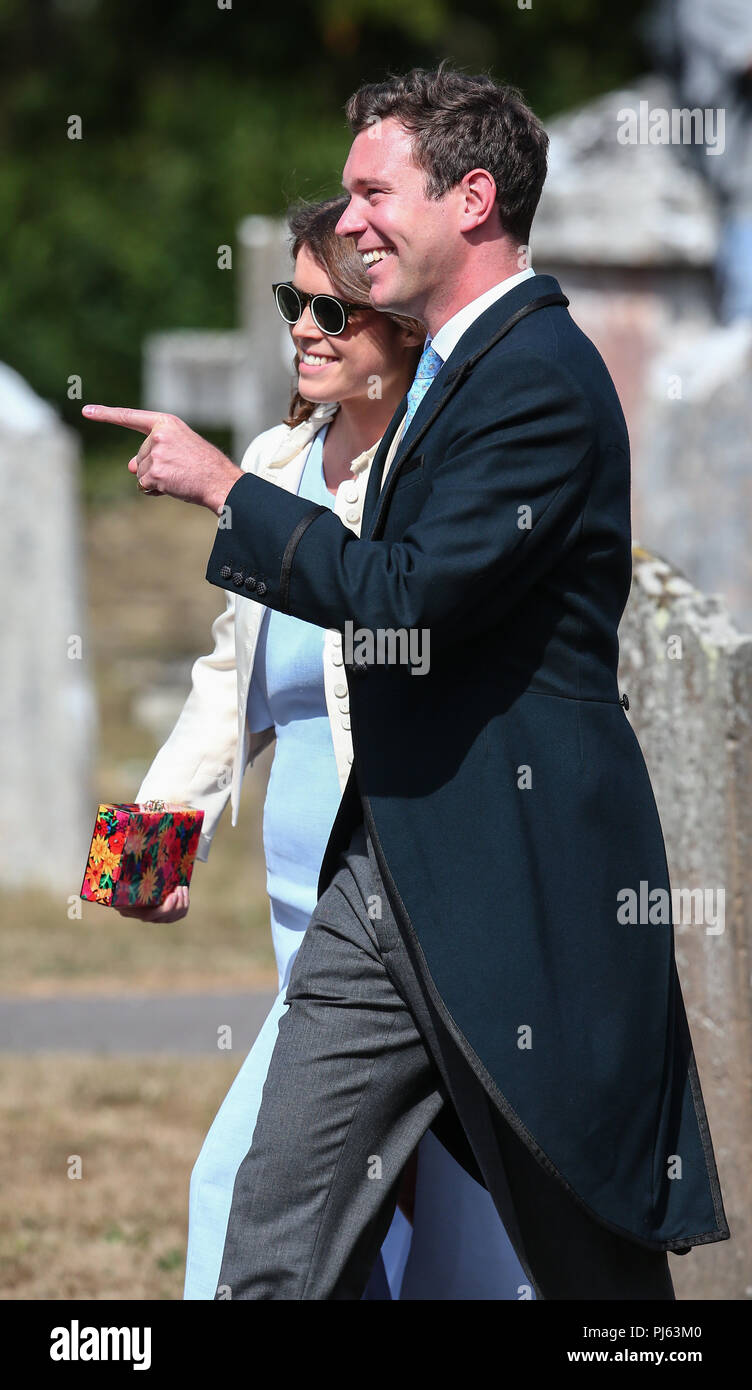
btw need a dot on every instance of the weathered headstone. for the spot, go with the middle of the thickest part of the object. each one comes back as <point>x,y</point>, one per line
<point>241,378</point>
<point>48,725</point>
<point>696,460</point>
<point>631,231</point>
<point>687,673</point>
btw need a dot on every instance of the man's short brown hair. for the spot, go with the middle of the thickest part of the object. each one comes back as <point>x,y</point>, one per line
<point>461,123</point>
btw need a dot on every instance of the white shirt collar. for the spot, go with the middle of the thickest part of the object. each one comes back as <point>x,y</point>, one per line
<point>450,332</point>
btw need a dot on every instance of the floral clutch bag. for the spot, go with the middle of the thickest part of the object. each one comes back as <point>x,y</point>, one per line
<point>139,854</point>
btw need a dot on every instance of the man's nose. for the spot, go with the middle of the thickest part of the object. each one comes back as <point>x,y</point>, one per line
<point>349,224</point>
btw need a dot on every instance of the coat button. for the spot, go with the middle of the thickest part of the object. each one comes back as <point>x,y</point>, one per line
<point>345,722</point>
<point>225,572</point>
<point>237,578</point>
<point>352,514</point>
<point>351,495</point>
<point>260,588</point>
<point>250,582</point>
<point>340,690</point>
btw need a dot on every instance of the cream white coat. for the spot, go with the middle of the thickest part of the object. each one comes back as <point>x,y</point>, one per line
<point>203,760</point>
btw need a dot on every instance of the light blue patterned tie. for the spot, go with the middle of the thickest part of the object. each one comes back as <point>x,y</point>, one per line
<point>430,363</point>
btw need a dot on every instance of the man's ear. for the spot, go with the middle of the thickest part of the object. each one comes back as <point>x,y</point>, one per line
<point>479,196</point>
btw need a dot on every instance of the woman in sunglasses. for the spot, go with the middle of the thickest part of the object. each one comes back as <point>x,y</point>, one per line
<point>273,676</point>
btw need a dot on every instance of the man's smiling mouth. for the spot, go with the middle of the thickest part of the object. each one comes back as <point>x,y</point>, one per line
<point>378,254</point>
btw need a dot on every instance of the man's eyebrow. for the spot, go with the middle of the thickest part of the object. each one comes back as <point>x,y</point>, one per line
<point>360,182</point>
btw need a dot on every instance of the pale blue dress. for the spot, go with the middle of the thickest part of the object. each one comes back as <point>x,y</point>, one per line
<point>303,794</point>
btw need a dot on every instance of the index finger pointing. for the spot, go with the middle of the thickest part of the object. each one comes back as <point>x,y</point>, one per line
<point>143,420</point>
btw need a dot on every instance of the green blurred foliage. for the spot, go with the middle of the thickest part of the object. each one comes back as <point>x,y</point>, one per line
<point>194,115</point>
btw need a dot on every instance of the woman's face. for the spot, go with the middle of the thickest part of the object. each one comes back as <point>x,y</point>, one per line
<point>369,359</point>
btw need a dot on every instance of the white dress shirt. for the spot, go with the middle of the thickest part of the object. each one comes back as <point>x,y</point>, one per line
<point>448,336</point>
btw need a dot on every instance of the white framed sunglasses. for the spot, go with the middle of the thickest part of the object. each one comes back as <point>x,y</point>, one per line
<point>328,312</point>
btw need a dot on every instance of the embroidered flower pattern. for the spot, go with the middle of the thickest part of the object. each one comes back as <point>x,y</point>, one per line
<point>138,856</point>
<point>147,885</point>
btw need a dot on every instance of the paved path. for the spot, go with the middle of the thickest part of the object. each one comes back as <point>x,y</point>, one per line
<point>176,1023</point>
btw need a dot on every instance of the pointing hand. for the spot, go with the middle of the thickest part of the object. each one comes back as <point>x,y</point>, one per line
<point>173,460</point>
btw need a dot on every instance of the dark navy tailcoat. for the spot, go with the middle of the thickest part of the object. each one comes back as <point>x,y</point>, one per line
<point>505,790</point>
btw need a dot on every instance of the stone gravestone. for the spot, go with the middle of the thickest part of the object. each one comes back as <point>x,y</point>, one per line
<point>696,425</point>
<point>242,378</point>
<point>48,725</point>
<point>631,232</point>
<point>687,673</point>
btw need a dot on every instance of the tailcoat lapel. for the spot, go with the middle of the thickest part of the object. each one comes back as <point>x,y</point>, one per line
<point>483,333</point>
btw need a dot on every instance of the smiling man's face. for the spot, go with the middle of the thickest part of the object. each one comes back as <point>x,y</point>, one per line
<point>417,239</point>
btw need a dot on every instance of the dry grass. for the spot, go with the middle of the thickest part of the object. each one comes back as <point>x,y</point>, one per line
<point>120,1230</point>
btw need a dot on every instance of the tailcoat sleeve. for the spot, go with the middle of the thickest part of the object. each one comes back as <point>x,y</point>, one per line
<point>502,499</point>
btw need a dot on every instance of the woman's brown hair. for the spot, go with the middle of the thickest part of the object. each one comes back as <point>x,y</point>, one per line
<point>312,225</point>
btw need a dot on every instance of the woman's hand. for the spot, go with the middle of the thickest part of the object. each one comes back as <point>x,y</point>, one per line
<point>174,907</point>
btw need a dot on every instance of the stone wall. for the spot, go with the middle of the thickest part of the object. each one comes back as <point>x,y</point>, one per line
<point>688,675</point>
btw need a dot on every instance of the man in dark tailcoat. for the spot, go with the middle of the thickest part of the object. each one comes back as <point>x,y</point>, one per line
<point>471,964</point>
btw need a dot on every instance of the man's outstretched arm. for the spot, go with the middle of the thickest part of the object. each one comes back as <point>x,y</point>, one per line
<point>501,503</point>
